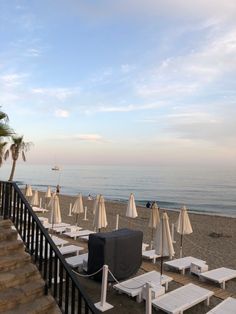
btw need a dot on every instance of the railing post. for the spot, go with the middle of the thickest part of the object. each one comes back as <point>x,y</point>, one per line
<point>6,202</point>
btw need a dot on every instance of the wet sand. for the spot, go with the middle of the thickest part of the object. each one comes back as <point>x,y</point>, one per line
<point>213,240</point>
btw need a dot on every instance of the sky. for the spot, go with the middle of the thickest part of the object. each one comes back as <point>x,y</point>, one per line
<point>146,82</point>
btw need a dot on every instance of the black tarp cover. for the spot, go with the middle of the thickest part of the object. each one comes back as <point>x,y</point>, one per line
<point>121,250</point>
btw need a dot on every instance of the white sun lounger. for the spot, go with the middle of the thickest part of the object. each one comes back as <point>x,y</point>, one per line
<point>219,275</point>
<point>54,226</point>
<point>183,263</point>
<point>39,210</point>
<point>70,249</point>
<point>228,306</point>
<point>77,261</point>
<point>64,228</point>
<point>78,233</point>
<point>145,246</point>
<point>133,287</point>
<point>181,299</point>
<point>150,254</point>
<point>58,241</point>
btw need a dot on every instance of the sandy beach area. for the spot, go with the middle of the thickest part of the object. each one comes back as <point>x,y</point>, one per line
<point>213,240</point>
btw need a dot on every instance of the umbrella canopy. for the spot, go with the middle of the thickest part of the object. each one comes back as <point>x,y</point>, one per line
<point>131,208</point>
<point>154,216</point>
<point>153,220</point>
<point>163,241</point>
<point>183,226</point>
<point>100,218</point>
<point>35,198</point>
<point>28,191</point>
<point>78,205</point>
<point>48,193</point>
<point>95,204</point>
<point>55,217</point>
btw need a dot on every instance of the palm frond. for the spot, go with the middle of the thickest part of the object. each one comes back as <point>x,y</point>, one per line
<point>23,155</point>
<point>6,155</point>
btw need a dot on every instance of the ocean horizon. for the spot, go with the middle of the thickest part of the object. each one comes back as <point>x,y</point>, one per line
<point>202,190</point>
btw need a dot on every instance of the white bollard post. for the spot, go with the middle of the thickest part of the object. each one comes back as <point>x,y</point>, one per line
<point>173,233</point>
<point>103,305</point>
<point>117,221</point>
<point>40,202</point>
<point>148,309</point>
<point>70,209</point>
<point>85,213</point>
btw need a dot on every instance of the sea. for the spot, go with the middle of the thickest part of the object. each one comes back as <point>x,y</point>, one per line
<point>210,190</point>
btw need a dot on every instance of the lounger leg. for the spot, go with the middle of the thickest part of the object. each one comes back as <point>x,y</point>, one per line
<point>167,286</point>
<point>208,301</point>
<point>154,260</point>
<point>139,297</point>
<point>223,285</point>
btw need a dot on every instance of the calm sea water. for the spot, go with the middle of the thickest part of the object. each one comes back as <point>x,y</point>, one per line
<point>200,189</point>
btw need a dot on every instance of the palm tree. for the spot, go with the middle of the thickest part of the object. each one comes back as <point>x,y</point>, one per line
<point>17,147</point>
<point>2,149</point>
<point>5,130</point>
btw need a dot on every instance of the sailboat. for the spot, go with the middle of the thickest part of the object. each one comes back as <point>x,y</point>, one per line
<point>56,168</point>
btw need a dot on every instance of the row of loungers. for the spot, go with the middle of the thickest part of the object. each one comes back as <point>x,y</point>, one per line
<point>182,298</point>
<point>175,301</point>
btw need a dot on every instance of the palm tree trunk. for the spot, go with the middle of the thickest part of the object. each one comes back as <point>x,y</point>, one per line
<point>12,170</point>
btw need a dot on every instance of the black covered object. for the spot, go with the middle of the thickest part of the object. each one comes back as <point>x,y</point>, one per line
<point>121,250</point>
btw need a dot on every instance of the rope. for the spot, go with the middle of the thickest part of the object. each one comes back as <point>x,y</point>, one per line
<point>133,288</point>
<point>90,275</point>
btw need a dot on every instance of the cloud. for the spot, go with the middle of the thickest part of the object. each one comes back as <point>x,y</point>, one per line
<point>126,68</point>
<point>59,93</point>
<point>83,137</point>
<point>13,79</point>
<point>102,77</point>
<point>126,108</point>
<point>62,113</point>
<point>33,52</point>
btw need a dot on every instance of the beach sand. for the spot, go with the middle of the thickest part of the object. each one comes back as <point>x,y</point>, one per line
<point>213,240</point>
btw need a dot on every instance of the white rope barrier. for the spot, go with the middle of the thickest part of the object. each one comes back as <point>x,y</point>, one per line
<point>90,275</point>
<point>124,286</point>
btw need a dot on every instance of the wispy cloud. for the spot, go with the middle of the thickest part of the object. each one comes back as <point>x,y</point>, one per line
<point>83,137</point>
<point>126,108</point>
<point>59,93</point>
<point>102,77</point>
<point>126,68</point>
<point>13,79</point>
<point>61,113</point>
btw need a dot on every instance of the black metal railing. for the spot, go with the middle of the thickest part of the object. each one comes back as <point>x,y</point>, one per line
<point>59,278</point>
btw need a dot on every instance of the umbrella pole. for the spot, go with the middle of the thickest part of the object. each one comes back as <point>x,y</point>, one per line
<point>151,244</point>
<point>181,246</point>
<point>161,246</point>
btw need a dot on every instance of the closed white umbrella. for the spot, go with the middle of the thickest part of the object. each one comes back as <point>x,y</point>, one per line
<point>35,199</point>
<point>154,216</point>
<point>28,191</point>
<point>48,192</point>
<point>95,204</point>
<point>131,207</point>
<point>100,218</point>
<point>154,219</point>
<point>163,241</point>
<point>183,226</point>
<point>55,217</point>
<point>78,207</point>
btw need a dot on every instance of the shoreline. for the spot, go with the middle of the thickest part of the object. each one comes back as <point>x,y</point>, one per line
<point>138,204</point>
